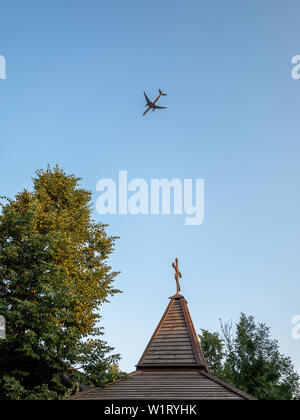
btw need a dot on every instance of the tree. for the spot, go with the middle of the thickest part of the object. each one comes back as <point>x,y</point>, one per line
<point>250,359</point>
<point>53,279</point>
<point>213,348</point>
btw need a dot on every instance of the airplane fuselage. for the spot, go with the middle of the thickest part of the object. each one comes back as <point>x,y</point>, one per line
<point>153,103</point>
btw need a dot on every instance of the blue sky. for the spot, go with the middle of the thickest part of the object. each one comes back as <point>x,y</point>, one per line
<point>76,71</point>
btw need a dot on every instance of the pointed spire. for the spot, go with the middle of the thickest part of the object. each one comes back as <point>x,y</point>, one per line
<point>172,366</point>
<point>175,342</point>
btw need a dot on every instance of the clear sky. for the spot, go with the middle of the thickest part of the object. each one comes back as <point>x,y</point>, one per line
<point>76,71</point>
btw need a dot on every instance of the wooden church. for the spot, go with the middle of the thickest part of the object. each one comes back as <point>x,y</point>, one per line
<point>172,366</point>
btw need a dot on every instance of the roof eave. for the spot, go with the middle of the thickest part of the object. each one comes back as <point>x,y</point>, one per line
<point>230,387</point>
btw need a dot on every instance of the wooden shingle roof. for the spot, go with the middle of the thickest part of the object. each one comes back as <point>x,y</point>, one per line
<point>174,342</point>
<point>172,366</point>
<point>161,384</point>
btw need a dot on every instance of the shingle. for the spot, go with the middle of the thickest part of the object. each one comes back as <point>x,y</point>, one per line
<point>172,366</point>
<point>174,341</point>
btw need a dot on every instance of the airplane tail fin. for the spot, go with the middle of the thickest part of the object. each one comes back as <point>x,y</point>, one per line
<point>161,93</point>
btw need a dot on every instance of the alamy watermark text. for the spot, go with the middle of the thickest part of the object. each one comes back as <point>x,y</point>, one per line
<point>296,329</point>
<point>2,328</point>
<point>2,67</point>
<point>296,68</point>
<point>152,198</point>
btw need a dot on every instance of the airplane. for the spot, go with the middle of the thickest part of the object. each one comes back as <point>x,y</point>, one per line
<point>151,105</point>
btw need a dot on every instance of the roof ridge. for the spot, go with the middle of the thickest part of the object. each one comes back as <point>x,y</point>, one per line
<point>228,386</point>
<point>193,336</point>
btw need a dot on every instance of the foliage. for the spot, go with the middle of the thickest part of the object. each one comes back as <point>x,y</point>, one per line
<point>248,358</point>
<point>213,348</point>
<point>53,279</point>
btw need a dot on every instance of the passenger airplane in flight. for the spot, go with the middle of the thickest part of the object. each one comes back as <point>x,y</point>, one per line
<point>151,105</point>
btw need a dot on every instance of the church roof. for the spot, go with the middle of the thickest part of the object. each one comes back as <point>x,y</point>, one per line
<point>172,366</point>
<point>175,342</point>
<point>166,384</point>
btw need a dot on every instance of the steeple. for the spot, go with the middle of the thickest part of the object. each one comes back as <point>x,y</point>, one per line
<point>175,342</point>
<point>172,366</point>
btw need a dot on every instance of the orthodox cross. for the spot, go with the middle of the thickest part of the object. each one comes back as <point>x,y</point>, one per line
<point>177,274</point>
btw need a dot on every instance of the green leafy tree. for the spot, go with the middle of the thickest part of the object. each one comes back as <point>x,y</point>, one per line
<point>213,348</point>
<point>248,358</point>
<point>54,277</point>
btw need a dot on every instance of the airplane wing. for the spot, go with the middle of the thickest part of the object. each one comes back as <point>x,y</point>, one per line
<point>147,100</point>
<point>160,107</point>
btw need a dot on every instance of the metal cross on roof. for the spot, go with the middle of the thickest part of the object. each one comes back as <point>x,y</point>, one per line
<point>177,274</point>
